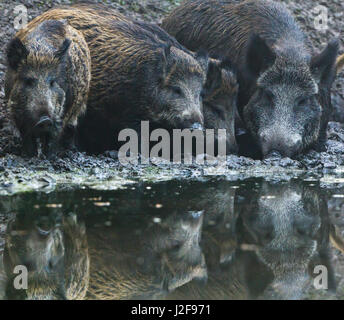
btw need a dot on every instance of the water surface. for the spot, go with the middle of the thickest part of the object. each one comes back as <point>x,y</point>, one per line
<point>216,239</point>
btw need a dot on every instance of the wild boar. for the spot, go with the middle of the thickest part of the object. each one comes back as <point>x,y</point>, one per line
<point>47,84</point>
<point>220,101</point>
<point>284,96</point>
<point>146,262</point>
<point>290,227</point>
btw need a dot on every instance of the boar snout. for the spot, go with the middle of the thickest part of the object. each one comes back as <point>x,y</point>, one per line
<point>43,125</point>
<point>273,155</point>
<point>280,145</point>
<point>192,122</point>
<point>196,126</point>
<point>191,125</point>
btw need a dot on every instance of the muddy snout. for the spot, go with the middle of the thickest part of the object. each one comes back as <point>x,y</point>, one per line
<point>43,125</point>
<point>192,120</point>
<point>192,124</point>
<point>279,145</point>
<point>196,126</point>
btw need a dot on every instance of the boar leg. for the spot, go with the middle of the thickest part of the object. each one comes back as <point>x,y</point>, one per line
<point>50,145</point>
<point>67,139</point>
<point>30,146</point>
<point>47,146</point>
<point>320,145</point>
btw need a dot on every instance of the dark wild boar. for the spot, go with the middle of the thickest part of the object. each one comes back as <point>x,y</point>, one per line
<point>220,101</point>
<point>284,96</point>
<point>47,84</point>
<point>291,229</point>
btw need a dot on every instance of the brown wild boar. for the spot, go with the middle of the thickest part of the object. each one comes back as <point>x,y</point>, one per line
<point>146,262</point>
<point>139,72</point>
<point>47,84</point>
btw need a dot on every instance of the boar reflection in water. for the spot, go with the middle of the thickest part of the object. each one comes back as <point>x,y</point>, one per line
<point>126,263</point>
<point>262,240</point>
<point>275,238</point>
<point>54,251</point>
<point>149,262</point>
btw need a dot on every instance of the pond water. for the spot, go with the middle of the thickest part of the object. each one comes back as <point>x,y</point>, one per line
<point>212,239</point>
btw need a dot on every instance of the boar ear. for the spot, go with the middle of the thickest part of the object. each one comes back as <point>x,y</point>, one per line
<point>259,56</point>
<point>214,78</point>
<point>167,51</point>
<point>220,74</point>
<point>323,65</point>
<point>16,53</point>
<point>340,64</point>
<point>63,49</point>
<point>203,58</point>
<point>164,54</point>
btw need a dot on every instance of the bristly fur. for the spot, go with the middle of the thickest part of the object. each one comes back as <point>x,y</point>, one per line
<point>134,66</point>
<point>49,75</point>
<point>220,101</point>
<point>274,59</point>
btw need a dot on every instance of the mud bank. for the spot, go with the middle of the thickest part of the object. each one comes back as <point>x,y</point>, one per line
<point>105,172</point>
<point>19,175</point>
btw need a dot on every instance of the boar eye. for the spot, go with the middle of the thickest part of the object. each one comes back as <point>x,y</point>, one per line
<point>303,101</point>
<point>177,90</point>
<point>268,94</point>
<point>203,94</point>
<point>52,83</point>
<point>29,82</point>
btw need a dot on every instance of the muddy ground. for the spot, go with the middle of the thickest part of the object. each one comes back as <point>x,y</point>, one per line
<point>18,174</point>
